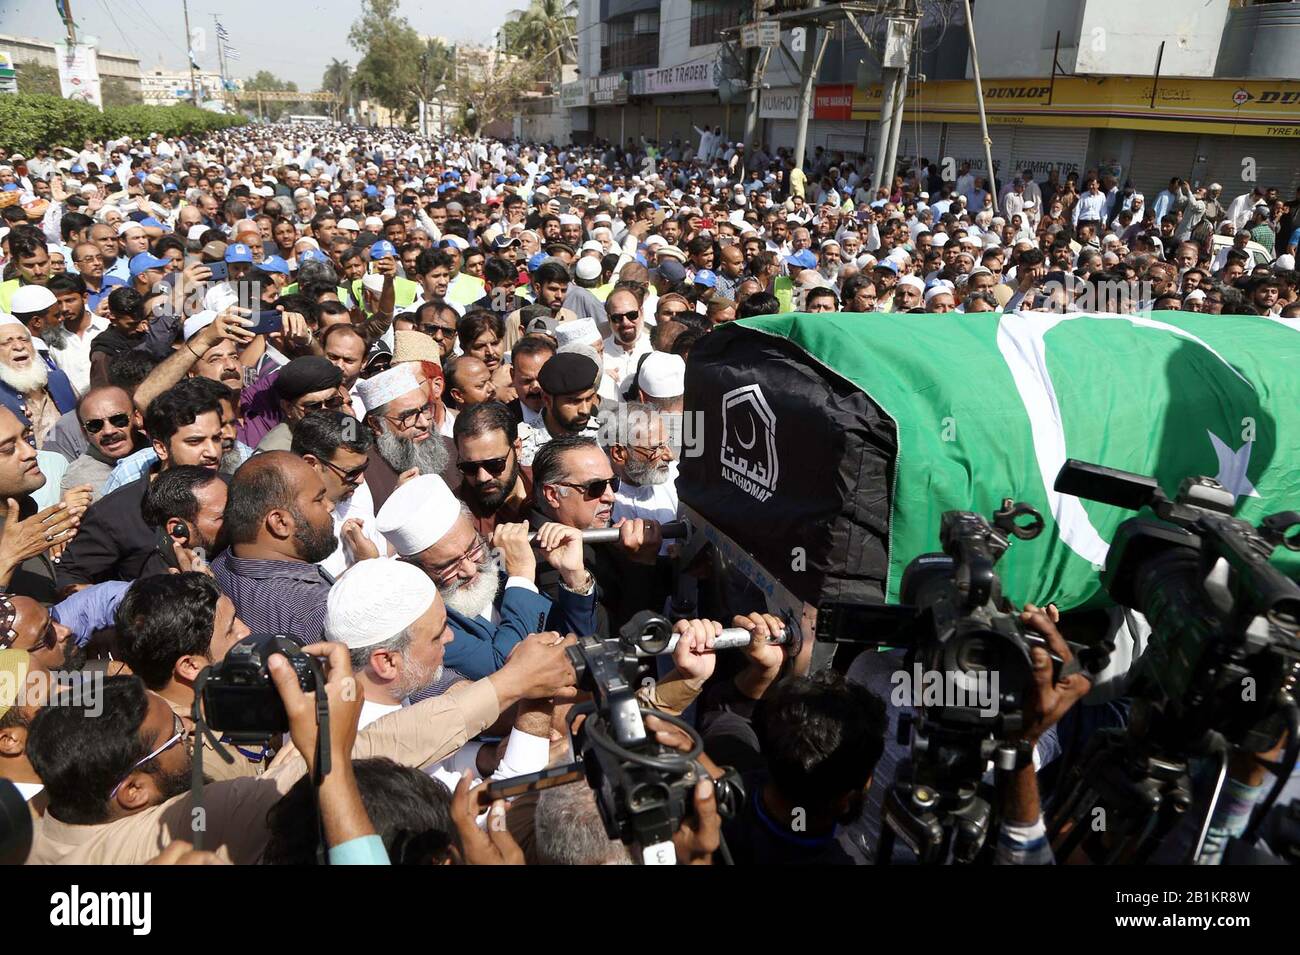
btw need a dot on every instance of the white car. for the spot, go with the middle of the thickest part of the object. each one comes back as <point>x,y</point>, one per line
<point>1221,242</point>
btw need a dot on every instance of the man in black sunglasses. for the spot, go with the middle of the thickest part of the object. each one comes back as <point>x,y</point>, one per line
<point>494,485</point>
<point>109,422</point>
<point>306,384</point>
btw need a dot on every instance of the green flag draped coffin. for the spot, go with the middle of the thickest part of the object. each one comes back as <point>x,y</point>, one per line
<point>832,443</point>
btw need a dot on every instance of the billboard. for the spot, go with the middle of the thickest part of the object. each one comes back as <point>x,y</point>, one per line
<point>79,75</point>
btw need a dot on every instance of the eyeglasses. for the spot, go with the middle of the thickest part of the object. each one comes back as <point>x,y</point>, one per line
<point>625,316</point>
<point>380,364</point>
<point>651,453</point>
<point>493,466</point>
<point>88,258</point>
<point>333,403</point>
<point>408,418</point>
<point>443,572</point>
<point>180,734</point>
<point>96,425</point>
<point>352,477</point>
<point>438,331</point>
<point>593,490</point>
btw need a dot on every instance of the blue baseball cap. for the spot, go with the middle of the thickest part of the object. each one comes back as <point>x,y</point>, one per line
<point>143,262</point>
<point>11,187</point>
<point>311,255</point>
<point>535,260</point>
<point>803,259</point>
<point>383,249</point>
<point>886,264</point>
<point>499,179</point>
<point>515,177</point>
<point>238,252</point>
<point>274,263</point>
<point>152,223</point>
<point>371,191</point>
<point>706,278</point>
<point>169,187</point>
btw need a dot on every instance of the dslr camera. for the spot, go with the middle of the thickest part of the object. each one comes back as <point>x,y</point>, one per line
<point>239,697</point>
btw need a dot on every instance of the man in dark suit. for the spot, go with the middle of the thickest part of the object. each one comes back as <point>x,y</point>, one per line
<point>490,608</point>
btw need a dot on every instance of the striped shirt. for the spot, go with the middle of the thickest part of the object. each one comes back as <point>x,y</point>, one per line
<point>285,597</point>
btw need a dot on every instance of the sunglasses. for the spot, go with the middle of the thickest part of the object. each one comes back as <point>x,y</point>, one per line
<point>332,403</point>
<point>493,466</point>
<point>377,366</point>
<point>438,331</point>
<point>352,477</point>
<point>625,316</point>
<point>96,425</point>
<point>593,490</point>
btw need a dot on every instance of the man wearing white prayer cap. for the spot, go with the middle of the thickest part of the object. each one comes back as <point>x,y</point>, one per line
<point>661,381</point>
<point>908,293</point>
<point>431,529</point>
<point>392,620</point>
<point>399,413</point>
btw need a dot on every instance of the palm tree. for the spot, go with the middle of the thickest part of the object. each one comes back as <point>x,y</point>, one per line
<point>543,33</point>
<point>338,80</point>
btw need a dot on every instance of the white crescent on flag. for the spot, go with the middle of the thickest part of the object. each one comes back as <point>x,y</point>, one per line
<point>1021,340</point>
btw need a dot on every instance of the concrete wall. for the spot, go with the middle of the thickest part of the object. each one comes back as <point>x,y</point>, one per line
<point>1016,38</point>
<point>1123,36</point>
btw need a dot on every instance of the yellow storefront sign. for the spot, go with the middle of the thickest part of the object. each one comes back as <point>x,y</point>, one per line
<point>1224,107</point>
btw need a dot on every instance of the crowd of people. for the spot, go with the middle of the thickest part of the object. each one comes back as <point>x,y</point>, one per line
<point>366,391</point>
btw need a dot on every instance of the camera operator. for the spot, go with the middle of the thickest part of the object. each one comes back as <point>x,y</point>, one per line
<point>169,628</point>
<point>117,770</point>
<point>490,608</point>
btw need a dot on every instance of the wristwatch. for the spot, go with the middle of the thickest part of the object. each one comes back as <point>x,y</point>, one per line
<point>587,588</point>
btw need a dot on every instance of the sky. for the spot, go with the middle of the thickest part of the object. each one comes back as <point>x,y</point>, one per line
<point>294,41</point>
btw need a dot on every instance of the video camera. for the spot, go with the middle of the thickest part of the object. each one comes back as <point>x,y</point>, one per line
<point>1222,617</point>
<point>970,672</point>
<point>643,789</point>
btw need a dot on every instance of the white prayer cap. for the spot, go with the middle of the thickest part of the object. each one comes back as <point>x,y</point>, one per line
<point>31,298</point>
<point>374,223</point>
<point>384,387</point>
<point>909,280</point>
<point>197,322</point>
<point>418,514</point>
<point>375,600</point>
<point>128,225</point>
<point>663,375</point>
<point>583,331</point>
<point>1284,261</point>
<point>348,224</point>
<point>1195,295</point>
<point>196,232</point>
<point>570,219</point>
<point>939,288</point>
<point>7,319</point>
<point>373,282</point>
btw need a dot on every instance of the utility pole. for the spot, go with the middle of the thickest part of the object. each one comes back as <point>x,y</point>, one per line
<point>189,52</point>
<point>893,81</point>
<point>808,77</point>
<point>979,99</point>
<point>221,58</point>
<point>67,22</point>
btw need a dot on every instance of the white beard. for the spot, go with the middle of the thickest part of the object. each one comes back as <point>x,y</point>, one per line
<point>401,454</point>
<point>33,378</point>
<point>473,599</point>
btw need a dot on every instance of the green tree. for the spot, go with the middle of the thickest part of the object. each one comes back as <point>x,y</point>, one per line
<point>543,34</point>
<point>338,80</point>
<point>266,82</point>
<point>115,91</point>
<point>391,51</point>
<point>37,79</point>
<point>434,69</point>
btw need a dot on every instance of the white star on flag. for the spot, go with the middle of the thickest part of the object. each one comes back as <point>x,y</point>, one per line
<point>1233,466</point>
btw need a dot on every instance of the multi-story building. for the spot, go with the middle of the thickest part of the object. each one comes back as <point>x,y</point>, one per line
<point>1146,91</point>
<point>162,87</point>
<point>111,65</point>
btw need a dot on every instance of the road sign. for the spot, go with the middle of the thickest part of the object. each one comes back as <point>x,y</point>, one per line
<point>764,33</point>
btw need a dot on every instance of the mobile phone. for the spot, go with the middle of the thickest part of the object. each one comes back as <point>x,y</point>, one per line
<point>533,782</point>
<point>266,322</point>
<point>219,271</point>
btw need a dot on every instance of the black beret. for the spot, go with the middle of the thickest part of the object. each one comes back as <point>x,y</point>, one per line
<point>305,375</point>
<point>568,373</point>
